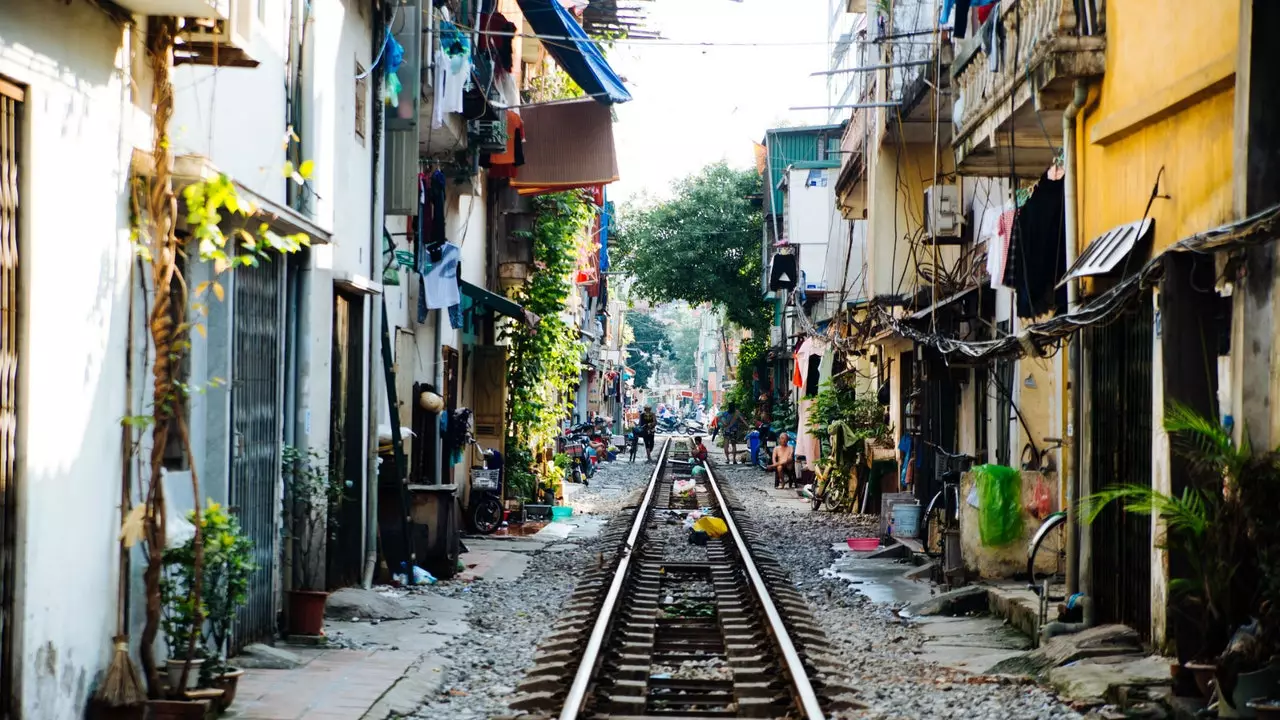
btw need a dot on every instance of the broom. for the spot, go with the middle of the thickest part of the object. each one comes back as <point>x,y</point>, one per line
<point>123,686</point>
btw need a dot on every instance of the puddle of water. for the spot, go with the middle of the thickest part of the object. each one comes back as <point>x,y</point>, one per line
<point>880,580</point>
<point>520,530</point>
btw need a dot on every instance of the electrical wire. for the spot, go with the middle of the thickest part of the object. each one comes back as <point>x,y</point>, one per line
<point>386,40</point>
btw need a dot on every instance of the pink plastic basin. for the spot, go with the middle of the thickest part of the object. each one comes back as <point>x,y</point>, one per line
<point>863,544</point>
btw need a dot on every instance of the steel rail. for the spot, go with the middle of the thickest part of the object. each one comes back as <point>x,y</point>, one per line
<point>795,667</point>
<point>582,679</point>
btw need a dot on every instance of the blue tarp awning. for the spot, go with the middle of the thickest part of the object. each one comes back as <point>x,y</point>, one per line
<point>580,57</point>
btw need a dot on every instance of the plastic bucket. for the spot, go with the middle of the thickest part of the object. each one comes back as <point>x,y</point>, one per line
<point>906,520</point>
<point>560,512</point>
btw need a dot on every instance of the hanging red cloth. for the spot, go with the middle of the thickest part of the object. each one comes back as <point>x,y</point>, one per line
<point>796,379</point>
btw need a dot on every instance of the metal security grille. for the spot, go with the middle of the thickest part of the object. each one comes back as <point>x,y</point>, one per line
<point>10,140</point>
<point>1120,434</point>
<point>256,486</point>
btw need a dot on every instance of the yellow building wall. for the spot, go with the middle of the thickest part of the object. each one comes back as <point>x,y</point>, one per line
<point>1165,101</point>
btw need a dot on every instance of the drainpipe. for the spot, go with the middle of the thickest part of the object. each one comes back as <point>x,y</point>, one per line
<point>1070,208</point>
<point>374,328</point>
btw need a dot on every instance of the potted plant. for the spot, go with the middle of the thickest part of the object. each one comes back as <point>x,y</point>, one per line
<point>228,565</point>
<point>179,616</point>
<point>312,493</point>
<point>1222,526</point>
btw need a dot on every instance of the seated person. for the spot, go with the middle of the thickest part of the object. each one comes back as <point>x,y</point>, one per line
<point>699,453</point>
<point>783,466</point>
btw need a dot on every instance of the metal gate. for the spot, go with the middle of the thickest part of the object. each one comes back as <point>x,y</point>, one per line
<point>10,140</point>
<point>257,428</point>
<point>1119,357</point>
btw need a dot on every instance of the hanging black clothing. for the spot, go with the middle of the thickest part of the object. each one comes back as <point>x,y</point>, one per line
<point>962,19</point>
<point>1037,257</point>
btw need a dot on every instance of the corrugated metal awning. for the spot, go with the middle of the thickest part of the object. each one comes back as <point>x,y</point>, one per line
<point>1107,250</point>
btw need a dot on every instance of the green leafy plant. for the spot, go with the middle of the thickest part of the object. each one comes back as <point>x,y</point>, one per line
<point>751,357</point>
<point>521,480</point>
<point>228,565</point>
<point>700,246</point>
<point>543,362</point>
<point>840,402</point>
<point>313,494</point>
<point>1218,526</point>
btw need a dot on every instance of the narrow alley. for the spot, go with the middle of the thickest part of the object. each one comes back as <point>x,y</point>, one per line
<point>611,359</point>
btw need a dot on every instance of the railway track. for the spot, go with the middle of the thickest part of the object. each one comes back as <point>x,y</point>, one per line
<point>664,628</point>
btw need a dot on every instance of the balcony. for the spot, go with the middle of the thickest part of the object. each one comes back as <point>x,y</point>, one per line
<point>851,189</point>
<point>1010,93</point>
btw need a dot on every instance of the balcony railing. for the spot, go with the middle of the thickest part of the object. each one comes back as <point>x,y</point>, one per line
<point>1013,79</point>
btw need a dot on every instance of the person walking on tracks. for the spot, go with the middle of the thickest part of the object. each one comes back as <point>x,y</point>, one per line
<point>648,425</point>
<point>730,423</point>
<point>783,467</point>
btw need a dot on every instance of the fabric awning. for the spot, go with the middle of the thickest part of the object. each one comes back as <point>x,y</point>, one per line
<point>567,146</point>
<point>579,56</point>
<point>497,303</point>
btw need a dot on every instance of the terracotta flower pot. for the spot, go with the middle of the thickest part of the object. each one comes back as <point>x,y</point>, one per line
<point>227,683</point>
<point>177,709</point>
<point>1203,673</point>
<point>306,612</point>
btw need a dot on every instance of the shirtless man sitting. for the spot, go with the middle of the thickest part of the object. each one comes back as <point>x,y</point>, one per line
<point>783,467</point>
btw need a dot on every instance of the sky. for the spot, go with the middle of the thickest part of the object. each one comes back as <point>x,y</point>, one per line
<point>693,106</point>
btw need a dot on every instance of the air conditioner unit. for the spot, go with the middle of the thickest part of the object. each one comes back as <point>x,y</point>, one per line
<point>223,41</point>
<point>943,215</point>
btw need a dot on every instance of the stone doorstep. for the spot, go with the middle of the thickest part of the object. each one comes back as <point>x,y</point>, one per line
<point>1019,605</point>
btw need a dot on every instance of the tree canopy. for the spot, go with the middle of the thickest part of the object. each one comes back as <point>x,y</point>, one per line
<point>701,246</point>
<point>650,347</point>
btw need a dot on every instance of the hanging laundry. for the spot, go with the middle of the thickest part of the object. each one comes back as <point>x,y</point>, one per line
<point>497,36</point>
<point>998,249</point>
<point>436,195</point>
<point>961,27</point>
<point>395,58</point>
<point>455,316</point>
<point>441,281</point>
<point>452,72</point>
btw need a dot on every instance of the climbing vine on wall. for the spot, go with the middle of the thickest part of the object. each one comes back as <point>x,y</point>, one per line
<point>544,360</point>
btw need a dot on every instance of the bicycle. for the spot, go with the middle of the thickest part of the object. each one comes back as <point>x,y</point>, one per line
<point>1047,551</point>
<point>829,490</point>
<point>940,522</point>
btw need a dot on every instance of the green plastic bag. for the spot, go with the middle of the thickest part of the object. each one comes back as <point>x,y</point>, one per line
<point>999,504</point>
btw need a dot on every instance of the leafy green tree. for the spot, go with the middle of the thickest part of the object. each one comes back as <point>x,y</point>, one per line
<point>701,246</point>
<point>651,346</point>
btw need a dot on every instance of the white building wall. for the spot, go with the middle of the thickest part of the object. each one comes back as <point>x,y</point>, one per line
<point>236,117</point>
<point>81,121</point>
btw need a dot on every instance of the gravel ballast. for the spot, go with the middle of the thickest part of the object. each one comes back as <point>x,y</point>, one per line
<point>880,654</point>
<point>509,619</point>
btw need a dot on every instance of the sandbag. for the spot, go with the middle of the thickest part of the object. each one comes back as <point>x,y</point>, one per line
<point>1000,504</point>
